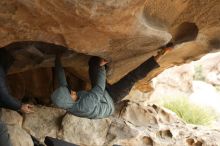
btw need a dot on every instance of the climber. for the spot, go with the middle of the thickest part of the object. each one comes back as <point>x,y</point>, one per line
<point>90,104</point>
<point>6,100</point>
<point>99,101</point>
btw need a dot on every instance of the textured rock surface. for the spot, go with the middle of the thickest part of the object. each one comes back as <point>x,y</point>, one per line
<point>44,122</point>
<point>11,117</point>
<point>37,85</point>
<point>198,77</point>
<point>84,131</point>
<point>147,115</point>
<point>177,85</point>
<point>141,125</point>
<point>14,121</point>
<point>19,137</point>
<point>126,31</point>
<point>198,80</point>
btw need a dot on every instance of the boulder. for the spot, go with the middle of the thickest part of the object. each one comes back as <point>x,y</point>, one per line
<point>11,117</point>
<point>45,121</point>
<point>19,137</point>
<point>149,125</point>
<point>150,115</point>
<point>84,131</point>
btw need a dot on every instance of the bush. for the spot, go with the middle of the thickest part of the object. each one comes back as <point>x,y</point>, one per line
<point>198,75</point>
<point>191,113</point>
<point>217,87</point>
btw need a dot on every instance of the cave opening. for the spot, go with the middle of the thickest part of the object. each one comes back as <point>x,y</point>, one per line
<point>31,77</point>
<point>185,32</point>
<point>214,43</point>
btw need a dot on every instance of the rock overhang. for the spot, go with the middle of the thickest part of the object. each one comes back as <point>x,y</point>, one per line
<point>127,32</point>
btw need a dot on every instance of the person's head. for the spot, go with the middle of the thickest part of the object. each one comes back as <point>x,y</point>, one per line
<point>74,96</point>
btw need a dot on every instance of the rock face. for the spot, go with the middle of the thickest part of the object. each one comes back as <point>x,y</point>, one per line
<point>14,121</point>
<point>198,80</point>
<point>37,84</point>
<point>125,32</point>
<point>84,131</point>
<point>44,122</point>
<point>19,137</point>
<point>11,117</point>
<point>139,125</point>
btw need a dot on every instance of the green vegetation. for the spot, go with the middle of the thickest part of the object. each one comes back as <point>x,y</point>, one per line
<point>198,73</point>
<point>191,113</point>
<point>217,87</point>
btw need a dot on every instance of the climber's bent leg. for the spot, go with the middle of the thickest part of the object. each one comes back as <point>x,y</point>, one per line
<point>122,88</point>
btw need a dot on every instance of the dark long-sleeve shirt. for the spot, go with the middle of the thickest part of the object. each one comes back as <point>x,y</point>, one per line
<point>6,100</point>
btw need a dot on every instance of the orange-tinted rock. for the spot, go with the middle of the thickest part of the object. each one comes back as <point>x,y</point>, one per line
<point>121,30</point>
<point>38,84</point>
<point>127,32</point>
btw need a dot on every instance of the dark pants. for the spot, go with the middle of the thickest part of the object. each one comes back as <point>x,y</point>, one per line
<point>49,141</point>
<point>122,88</point>
<point>4,136</point>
